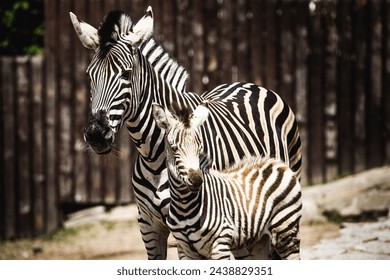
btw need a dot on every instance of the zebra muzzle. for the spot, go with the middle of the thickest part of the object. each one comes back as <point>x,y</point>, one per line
<point>195,179</point>
<point>98,135</point>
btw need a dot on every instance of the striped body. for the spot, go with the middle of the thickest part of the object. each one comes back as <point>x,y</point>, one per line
<point>236,208</point>
<point>129,72</point>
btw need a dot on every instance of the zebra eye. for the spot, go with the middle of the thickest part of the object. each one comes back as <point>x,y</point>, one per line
<point>174,148</point>
<point>126,75</point>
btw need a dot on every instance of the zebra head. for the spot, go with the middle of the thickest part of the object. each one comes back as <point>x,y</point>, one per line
<point>114,73</point>
<point>183,142</point>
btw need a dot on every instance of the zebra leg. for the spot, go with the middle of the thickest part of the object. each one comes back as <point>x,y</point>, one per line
<point>241,254</point>
<point>287,242</point>
<point>221,250</point>
<point>261,250</point>
<point>155,236</point>
<point>185,255</point>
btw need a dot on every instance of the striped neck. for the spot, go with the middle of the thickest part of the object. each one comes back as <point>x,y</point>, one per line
<point>165,65</point>
<point>181,196</point>
<point>162,81</point>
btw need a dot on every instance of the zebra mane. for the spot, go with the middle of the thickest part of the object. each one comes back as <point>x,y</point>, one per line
<point>113,24</point>
<point>251,161</point>
<point>167,66</point>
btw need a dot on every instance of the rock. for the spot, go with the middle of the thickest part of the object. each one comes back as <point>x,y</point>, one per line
<point>357,241</point>
<point>37,249</point>
<point>366,193</point>
<point>85,216</point>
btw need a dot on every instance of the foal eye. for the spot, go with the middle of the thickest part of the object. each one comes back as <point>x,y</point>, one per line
<point>174,148</point>
<point>126,75</point>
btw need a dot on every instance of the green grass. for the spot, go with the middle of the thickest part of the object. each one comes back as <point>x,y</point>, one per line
<point>108,225</point>
<point>66,233</point>
<point>333,217</point>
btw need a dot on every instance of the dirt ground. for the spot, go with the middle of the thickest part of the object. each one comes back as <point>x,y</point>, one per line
<point>95,233</point>
<point>100,236</point>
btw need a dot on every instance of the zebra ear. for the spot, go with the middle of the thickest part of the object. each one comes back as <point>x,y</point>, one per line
<point>88,34</point>
<point>142,31</point>
<point>161,116</point>
<point>199,115</point>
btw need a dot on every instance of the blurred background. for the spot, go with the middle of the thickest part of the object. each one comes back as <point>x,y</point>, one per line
<point>330,60</point>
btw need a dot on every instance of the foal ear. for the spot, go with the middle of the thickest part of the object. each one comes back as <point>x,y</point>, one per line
<point>87,34</point>
<point>162,117</point>
<point>199,115</point>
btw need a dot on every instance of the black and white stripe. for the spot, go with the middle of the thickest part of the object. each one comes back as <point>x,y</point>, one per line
<point>130,71</point>
<point>214,213</point>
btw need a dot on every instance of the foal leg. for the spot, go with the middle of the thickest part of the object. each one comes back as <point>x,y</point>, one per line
<point>287,242</point>
<point>262,249</point>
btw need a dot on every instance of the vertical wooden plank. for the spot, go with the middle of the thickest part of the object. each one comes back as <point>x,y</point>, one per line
<point>38,184</point>
<point>315,95</point>
<point>139,8</point>
<point>287,53</point>
<point>386,79</point>
<point>184,48</point>
<point>212,74</point>
<point>301,89</point>
<point>360,84</point>
<point>23,181</point>
<point>9,159</point>
<point>65,104</point>
<point>110,183</point>
<point>278,18</point>
<point>198,31</point>
<point>374,111</point>
<point>50,101</point>
<point>330,92</point>
<point>110,5</point>
<point>264,43</point>
<point>81,95</point>
<point>345,133</point>
<point>270,46</point>
<point>226,41</point>
<point>242,43</point>
<point>2,156</point>
<point>234,67</point>
<point>124,5</point>
<point>169,27</point>
<point>257,49</point>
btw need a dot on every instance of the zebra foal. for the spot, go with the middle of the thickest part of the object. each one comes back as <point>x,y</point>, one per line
<point>213,213</point>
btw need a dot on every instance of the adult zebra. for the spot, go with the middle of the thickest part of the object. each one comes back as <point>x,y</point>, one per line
<point>129,71</point>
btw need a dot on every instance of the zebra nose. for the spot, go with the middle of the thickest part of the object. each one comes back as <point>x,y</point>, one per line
<point>195,178</point>
<point>98,134</point>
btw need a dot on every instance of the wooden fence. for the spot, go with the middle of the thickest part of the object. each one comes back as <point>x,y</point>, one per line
<point>46,169</point>
<point>328,59</point>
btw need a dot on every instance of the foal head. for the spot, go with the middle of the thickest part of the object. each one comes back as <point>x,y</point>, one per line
<point>183,142</point>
